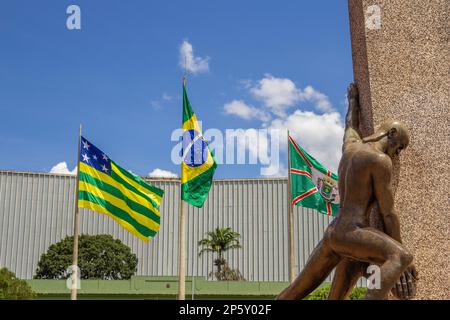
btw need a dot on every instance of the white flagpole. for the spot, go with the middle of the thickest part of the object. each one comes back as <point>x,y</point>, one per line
<point>76,221</point>
<point>182,240</point>
<point>290,217</point>
<point>182,252</point>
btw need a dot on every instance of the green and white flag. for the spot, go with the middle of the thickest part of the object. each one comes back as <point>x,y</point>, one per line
<point>312,185</point>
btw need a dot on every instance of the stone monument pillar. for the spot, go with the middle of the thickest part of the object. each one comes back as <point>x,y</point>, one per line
<point>401,61</point>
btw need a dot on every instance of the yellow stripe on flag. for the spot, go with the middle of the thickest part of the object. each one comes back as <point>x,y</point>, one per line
<point>152,196</point>
<point>119,203</point>
<point>95,207</point>
<point>192,123</point>
<point>126,192</point>
<point>190,173</point>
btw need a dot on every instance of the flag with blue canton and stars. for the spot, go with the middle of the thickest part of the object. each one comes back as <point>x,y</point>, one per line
<point>107,188</point>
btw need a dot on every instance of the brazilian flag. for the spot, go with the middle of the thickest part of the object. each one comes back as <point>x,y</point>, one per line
<point>105,187</point>
<point>198,165</point>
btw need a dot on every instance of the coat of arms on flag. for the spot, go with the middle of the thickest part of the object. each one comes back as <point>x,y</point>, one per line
<point>312,185</point>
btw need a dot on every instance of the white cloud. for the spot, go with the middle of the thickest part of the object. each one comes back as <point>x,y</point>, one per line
<point>276,93</point>
<point>254,141</point>
<point>280,94</point>
<point>159,173</point>
<point>244,111</point>
<point>166,97</point>
<point>156,105</point>
<point>246,83</point>
<point>319,134</point>
<point>62,168</point>
<point>279,170</point>
<point>188,60</point>
<point>320,100</point>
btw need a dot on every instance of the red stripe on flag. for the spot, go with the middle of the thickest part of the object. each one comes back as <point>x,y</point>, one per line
<point>300,152</point>
<point>301,172</point>
<point>302,196</point>
<point>328,208</point>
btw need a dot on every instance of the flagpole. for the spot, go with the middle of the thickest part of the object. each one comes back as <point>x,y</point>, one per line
<point>76,221</point>
<point>290,217</point>
<point>182,239</point>
<point>182,253</point>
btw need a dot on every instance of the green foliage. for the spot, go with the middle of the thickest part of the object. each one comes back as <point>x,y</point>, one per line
<point>219,241</point>
<point>322,293</point>
<point>228,274</point>
<point>12,288</point>
<point>99,257</point>
<point>357,294</point>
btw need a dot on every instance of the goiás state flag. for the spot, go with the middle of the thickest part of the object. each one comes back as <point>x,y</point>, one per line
<point>312,185</point>
<point>105,187</point>
<point>198,163</point>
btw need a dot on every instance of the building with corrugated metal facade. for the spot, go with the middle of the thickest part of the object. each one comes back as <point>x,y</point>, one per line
<point>36,210</point>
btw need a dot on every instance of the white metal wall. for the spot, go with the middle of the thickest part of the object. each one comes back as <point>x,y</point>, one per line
<point>36,210</point>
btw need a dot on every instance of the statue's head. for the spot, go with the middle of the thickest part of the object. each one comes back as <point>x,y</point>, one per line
<point>393,135</point>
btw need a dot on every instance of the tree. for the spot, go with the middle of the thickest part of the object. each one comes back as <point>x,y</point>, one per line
<point>219,241</point>
<point>12,288</point>
<point>99,257</point>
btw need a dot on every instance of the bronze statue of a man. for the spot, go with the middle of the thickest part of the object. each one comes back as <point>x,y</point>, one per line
<point>350,244</point>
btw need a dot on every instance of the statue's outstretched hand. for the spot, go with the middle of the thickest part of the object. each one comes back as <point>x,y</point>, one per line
<point>352,91</point>
<point>406,288</point>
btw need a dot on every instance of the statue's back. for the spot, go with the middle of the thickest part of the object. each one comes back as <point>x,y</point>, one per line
<point>357,165</point>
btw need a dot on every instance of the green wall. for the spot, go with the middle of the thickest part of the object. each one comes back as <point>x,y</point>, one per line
<point>141,287</point>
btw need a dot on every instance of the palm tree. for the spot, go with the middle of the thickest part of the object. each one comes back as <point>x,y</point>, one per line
<point>219,241</point>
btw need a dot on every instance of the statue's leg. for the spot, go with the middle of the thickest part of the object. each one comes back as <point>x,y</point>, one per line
<point>346,275</point>
<point>320,263</point>
<point>373,246</point>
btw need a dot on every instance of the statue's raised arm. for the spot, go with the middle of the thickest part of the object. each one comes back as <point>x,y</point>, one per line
<point>352,133</point>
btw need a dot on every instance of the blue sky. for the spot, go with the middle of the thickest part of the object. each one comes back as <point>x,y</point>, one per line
<point>265,64</point>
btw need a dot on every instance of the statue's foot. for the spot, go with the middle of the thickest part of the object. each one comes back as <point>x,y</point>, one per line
<point>406,286</point>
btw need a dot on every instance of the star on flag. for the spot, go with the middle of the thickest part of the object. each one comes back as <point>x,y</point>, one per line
<point>86,145</point>
<point>85,158</point>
